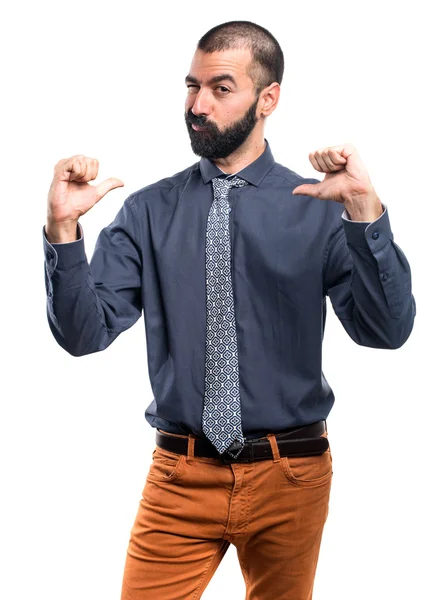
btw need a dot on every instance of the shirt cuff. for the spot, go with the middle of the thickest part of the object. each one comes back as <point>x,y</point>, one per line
<point>63,255</point>
<point>364,234</point>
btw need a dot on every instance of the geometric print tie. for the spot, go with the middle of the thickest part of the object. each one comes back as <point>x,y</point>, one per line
<point>221,416</point>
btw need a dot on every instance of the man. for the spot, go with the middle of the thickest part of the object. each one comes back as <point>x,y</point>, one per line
<point>231,261</point>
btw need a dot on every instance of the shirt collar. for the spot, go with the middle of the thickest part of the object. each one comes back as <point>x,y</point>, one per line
<point>253,173</point>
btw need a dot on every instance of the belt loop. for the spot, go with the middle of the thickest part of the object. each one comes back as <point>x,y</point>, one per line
<point>191,446</point>
<point>274,446</point>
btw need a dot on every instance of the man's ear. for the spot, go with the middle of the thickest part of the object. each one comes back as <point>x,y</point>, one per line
<point>269,99</point>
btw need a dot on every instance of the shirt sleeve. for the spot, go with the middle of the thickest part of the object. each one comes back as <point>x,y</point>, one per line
<point>368,280</point>
<point>90,304</point>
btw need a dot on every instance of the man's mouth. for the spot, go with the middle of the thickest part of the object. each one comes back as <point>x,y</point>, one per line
<point>197,128</point>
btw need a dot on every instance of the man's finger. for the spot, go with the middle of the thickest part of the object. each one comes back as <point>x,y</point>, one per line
<point>95,169</point>
<point>325,162</point>
<point>331,166</point>
<point>336,157</point>
<point>71,169</point>
<point>85,163</point>
<point>345,150</point>
<point>106,186</point>
<point>315,163</point>
<point>307,189</point>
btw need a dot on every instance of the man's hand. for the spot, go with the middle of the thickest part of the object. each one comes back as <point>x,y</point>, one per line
<point>346,181</point>
<point>71,196</point>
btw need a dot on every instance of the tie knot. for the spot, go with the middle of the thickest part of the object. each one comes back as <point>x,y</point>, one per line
<point>222,186</point>
<point>236,182</point>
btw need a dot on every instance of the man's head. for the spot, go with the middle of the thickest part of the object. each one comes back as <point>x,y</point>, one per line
<point>233,85</point>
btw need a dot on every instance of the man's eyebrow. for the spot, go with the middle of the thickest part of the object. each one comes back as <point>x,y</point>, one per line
<point>215,79</point>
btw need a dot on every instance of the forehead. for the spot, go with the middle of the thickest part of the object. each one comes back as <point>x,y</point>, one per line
<point>235,61</point>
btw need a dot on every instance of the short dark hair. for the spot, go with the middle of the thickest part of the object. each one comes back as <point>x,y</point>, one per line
<point>267,65</point>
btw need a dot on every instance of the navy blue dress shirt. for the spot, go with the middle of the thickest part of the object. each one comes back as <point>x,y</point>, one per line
<point>288,254</point>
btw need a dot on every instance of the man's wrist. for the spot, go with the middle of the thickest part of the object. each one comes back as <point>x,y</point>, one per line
<point>60,233</point>
<point>364,209</point>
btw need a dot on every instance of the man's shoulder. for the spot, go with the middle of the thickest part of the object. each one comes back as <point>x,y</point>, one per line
<point>331,209</point>
<point>165,184</point>
<point>290,176</point>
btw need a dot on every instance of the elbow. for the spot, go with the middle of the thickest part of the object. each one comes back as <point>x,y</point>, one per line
<point>77,351</point>
<point>398,342</point>
<point>81,347</point>
<point>402,326</point>
<point>390,331</point>
<point>73,348</point>
<point>75,344</point>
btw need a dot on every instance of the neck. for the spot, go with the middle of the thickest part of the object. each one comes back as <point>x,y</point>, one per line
<point>247,153</point>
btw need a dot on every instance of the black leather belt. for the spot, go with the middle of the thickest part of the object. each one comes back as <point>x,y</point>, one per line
<point>298,441</point>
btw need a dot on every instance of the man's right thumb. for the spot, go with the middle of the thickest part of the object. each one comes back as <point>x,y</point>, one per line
<point>107,185</point>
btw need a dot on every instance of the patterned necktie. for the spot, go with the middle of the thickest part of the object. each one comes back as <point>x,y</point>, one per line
<point>221,417</point>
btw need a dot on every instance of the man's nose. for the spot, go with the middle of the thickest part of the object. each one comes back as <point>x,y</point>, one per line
<point>202,104</point>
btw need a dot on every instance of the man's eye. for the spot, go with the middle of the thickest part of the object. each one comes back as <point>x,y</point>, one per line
<point>221,88</point>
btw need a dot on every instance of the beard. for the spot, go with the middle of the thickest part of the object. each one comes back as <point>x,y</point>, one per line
<point>214,143</point>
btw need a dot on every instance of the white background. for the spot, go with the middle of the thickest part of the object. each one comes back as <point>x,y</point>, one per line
<point>107,80</point>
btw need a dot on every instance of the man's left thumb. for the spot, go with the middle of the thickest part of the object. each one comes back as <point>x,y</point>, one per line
<point>307,189</point>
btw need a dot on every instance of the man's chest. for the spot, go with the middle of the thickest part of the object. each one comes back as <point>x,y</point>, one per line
<point>276,240</point>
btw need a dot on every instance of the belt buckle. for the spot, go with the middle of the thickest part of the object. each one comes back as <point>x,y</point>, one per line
<point>228,459</point>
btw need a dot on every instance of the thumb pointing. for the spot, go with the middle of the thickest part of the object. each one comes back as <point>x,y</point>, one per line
<point>307,189</point>
<point>107,185</point>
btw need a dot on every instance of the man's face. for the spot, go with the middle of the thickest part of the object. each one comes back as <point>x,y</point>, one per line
<point>220,109</point>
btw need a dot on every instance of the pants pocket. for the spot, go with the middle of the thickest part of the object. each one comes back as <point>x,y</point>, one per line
<point>166,466</point>
<point>308,471</point>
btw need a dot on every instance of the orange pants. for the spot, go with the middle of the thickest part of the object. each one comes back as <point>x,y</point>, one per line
<point>192,508</point>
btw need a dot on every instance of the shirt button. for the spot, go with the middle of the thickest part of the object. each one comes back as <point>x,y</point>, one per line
<point>375,235</point>
<point>48,255</point>
<point>385,276</point>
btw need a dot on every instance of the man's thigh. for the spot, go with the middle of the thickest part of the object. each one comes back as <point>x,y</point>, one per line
<point>176,541</point>
<point>279,553</point>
